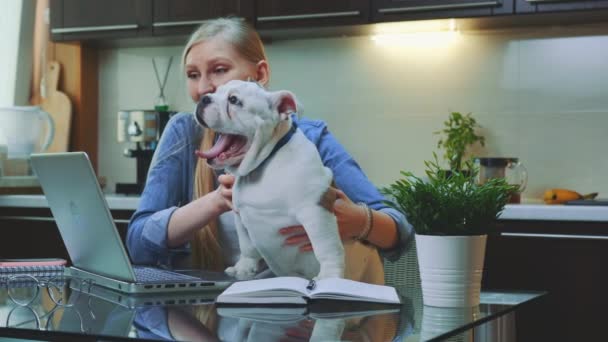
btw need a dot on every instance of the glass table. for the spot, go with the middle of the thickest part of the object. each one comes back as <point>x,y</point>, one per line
<point>52,311</point>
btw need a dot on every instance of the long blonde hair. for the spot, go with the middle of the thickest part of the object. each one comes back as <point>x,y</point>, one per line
<point>206,250</point>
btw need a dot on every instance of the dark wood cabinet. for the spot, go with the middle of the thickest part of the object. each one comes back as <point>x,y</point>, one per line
<point>182,16</point>
<point>272,14</point>
<point>73,20</point>
<point>33,233</point>
<point>542,6</point>
<point>566,259</point>
<point>93,19</point>
<point>112,19</point>
<point>397,10</point>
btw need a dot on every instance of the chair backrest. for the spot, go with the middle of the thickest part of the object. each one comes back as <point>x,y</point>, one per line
<point>404,275</point>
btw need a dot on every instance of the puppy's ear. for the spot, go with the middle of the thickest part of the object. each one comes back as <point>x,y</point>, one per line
<point>285,102</point>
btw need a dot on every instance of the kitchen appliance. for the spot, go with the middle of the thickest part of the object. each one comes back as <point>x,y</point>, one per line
<point>510,169</point>
<point>23,130</point>
<point>141,131</point>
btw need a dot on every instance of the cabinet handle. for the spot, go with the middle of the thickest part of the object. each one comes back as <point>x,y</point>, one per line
<point>308,16</point>
<point>557,236</point>
<point>178,23</point>
<point>94,28</point>
<point>438,7</point>
<point>182,23</point>
<point>46,219</point>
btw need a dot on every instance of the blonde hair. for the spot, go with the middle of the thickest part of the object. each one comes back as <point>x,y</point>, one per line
<point>206,250</point>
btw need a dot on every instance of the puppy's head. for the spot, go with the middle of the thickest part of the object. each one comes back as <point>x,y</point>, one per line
<point>245,116</point>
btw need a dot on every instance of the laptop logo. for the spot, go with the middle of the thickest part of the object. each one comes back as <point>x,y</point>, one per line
<point>75,213</point>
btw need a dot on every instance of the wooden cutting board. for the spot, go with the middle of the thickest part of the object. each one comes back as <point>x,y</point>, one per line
<point>58,105</point>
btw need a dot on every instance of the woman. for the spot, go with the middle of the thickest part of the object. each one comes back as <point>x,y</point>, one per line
<point>186,204</point>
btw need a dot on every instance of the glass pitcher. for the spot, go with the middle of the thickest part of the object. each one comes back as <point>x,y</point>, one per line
<point>510,169</point>
<point>25,130</point>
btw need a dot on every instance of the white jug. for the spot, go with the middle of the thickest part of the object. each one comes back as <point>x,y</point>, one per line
<point>22,129</point>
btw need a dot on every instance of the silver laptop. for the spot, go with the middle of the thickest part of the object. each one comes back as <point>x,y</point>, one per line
<point>91,238</point>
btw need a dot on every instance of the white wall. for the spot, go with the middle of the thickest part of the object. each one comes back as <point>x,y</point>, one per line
<point>16,33</point>
<point>538,93</point>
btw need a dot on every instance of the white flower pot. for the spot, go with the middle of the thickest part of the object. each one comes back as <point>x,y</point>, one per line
<point>451,268</point>
<point>437,321</point>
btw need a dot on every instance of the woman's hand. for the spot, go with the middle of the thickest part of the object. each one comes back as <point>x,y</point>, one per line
<point>224,192</point>
<point>350,216</point>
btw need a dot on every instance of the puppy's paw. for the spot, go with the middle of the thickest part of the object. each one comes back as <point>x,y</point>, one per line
<point>245,268</point>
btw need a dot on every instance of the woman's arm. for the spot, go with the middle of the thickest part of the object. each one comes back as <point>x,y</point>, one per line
<point>353,220</point>
<point>188,219</point>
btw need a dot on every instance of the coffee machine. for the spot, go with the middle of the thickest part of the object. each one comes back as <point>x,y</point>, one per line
<point>141,130</point>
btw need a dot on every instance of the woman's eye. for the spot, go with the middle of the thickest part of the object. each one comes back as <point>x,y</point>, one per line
<point>192,75</point>
<point>220,70</point>
<point>233,99</point>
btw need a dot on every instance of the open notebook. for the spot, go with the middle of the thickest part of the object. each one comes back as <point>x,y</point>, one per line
<point>300,291</point>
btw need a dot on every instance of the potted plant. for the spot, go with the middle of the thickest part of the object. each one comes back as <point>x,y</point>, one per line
<point>458,135</point>
<point>451,216</point>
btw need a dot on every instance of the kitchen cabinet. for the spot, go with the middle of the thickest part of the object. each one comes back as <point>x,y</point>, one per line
<point>539,6</point>
<point>273,14</point>
<point>182,16</point>
<point>111,19</point>
<point>398,10</point>
<point>33,233</point>
<point>567,259</point>
<point>93,19</point>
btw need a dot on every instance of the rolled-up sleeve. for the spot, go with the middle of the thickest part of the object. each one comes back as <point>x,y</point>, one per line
<point>168,186</point>
<point>351,179</point>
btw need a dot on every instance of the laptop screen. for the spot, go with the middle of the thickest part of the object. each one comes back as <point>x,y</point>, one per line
<point>82,214</point>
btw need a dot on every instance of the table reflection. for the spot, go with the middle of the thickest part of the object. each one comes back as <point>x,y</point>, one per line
<point>106,314</point>
<point>319,321</point>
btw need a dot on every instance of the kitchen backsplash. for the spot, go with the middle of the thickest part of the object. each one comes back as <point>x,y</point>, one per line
<point>539,95</point>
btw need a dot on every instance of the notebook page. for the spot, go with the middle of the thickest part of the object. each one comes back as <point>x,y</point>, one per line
<point>280,286</point>
<point>337,288</point>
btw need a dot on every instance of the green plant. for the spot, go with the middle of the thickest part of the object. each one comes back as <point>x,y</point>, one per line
<point>449,205</point>
<point>459,133</point>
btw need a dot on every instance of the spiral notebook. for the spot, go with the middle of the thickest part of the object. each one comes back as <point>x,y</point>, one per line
<point>33,267</point>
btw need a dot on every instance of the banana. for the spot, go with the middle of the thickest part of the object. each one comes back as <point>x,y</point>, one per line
<point>560,196</point>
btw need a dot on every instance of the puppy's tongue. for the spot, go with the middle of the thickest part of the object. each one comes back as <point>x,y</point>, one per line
<point>224,141</point>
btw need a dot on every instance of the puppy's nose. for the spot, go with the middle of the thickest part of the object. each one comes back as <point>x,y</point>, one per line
<point>205,101</point>
<point>200,108</point>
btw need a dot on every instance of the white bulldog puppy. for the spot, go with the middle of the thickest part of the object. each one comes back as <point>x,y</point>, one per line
<point>280,181</point>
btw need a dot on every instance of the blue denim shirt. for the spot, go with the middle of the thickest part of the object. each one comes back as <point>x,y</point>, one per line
<point>171,178</point>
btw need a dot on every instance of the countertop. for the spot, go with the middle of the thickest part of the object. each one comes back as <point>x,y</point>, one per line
<point>115,202</point>
<point>512,211</point>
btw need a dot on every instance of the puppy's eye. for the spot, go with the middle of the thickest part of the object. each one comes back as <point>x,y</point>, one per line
<point>233,100</point>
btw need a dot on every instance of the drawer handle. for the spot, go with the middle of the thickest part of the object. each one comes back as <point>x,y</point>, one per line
<point>29,218</point>
<point>94,28</point>
<point>557,236</point>
<point>438,7</point>
<point>534,1</point>
<point>309,16</point>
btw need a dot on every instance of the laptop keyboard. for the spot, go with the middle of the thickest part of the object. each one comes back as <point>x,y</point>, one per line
<point>151,274</point>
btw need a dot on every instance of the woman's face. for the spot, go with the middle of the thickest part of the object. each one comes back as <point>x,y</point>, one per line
<point>213,62</point>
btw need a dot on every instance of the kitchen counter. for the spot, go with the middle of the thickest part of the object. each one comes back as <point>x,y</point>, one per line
<point>115,202</point>
<point>555,212</point>
<point>511,212</point>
